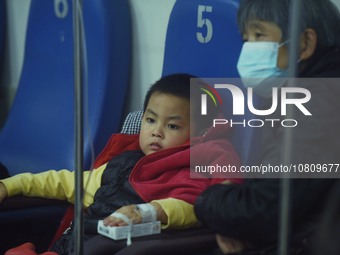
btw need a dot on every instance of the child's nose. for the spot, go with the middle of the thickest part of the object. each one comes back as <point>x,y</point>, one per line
<point>157,132</point>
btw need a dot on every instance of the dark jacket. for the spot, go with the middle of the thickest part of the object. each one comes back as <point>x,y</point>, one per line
<point>115,191</point>
<point>250,212</point>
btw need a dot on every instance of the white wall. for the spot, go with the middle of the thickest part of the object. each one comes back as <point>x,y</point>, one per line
<point>150,19</point>
<point>17,14</point>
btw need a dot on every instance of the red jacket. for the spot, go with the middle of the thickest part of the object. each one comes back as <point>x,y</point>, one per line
<point>166,173</point>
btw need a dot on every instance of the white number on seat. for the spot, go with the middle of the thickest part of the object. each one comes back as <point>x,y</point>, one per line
<point>204,22</point>
<point>61,8</point>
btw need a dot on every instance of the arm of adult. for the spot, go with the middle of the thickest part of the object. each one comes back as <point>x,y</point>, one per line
<point>250,212</point>
<point>247,212</point>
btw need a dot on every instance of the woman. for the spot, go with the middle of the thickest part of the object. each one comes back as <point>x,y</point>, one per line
<point>246,217</point>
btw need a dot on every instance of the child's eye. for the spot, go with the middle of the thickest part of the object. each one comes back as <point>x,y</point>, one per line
<point>150,120</point>
<point>173,126</point>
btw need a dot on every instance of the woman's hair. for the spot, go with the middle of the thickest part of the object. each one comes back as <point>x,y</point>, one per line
<point>321,15</point>
<point>188,87</point>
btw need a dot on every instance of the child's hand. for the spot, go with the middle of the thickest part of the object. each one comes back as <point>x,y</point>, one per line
<point>3,192</point>
<point>129,211</point>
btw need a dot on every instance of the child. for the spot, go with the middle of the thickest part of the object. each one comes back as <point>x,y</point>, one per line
<point>156,171</point>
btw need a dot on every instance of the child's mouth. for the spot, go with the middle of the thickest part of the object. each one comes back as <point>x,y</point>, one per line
<point>155,147</point>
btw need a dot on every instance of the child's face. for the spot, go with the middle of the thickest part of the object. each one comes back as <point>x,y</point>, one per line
<point>165,123</point>
<point>261,31</point>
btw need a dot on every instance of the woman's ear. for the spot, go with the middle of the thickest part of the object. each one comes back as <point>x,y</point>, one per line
<point>308,43</point>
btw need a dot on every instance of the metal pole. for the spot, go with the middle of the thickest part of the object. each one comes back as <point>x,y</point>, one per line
<point>294,31</point>
<point>78,216</point>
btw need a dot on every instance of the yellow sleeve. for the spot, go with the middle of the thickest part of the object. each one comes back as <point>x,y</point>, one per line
<point>180,214</point>
<point>54,184</point>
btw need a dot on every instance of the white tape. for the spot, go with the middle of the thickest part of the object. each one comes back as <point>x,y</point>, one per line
<point>148,212</point>
<point>128,221</point>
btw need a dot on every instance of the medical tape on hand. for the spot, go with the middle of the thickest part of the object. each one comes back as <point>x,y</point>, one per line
<point>128,221</point>
<point>147,212</point>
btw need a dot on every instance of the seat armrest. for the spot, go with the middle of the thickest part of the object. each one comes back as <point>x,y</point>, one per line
<point>21,202</point>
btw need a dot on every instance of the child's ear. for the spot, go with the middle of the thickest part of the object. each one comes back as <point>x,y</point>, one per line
<point>308,43</point>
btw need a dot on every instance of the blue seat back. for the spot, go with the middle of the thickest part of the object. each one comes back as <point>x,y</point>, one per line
<point>39,131</point>
<point>3,25</point>
<point>3,87</point>
<point>2,29</point>
<point>203,39</point>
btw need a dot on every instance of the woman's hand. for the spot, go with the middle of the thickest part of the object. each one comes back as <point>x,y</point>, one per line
<point>228,245</point>
<point>3,192</point>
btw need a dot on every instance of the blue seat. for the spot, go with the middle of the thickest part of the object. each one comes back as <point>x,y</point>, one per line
<point>2,32</point>
<point>203,39</point>
<point>3,93</point>
<point>39,131</point>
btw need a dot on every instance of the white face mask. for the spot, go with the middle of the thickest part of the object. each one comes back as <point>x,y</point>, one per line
<point>257,66</point>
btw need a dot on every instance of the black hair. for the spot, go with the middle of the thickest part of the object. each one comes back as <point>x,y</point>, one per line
<point>173,84</point>
<point>186,86</point>
<point>321,15</point>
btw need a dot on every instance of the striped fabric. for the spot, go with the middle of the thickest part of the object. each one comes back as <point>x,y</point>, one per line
<point>132,123</point>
